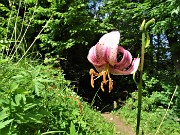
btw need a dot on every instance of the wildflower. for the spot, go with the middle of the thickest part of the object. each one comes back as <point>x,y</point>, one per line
<point>104,57</point>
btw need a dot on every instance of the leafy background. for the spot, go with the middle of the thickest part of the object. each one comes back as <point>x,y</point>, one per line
<point>45,85</point>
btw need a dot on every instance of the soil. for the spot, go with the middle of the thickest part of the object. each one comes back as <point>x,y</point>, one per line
<point>120,126</point>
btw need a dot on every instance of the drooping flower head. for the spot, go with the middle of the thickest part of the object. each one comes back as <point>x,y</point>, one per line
<point>104,57</point>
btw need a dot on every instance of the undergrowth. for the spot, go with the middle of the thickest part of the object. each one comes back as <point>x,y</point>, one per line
<point>155,104</point>
<point>150,119</point>
<point>36,99</point>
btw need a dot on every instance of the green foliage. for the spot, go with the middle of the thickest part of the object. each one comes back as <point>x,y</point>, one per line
<point>151,120</point>
<point>38,100</point>
<point>46,28</point>
<point>155,100</point>
<point>161,55</point>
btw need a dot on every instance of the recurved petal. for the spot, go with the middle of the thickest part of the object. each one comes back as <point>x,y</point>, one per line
<point>111,54</point>
<point>92,57</point>
<point>110,42</point>
<point>131,70</point>
<point>126,60</point>
<point>101,52</point>
<point>110,38</point>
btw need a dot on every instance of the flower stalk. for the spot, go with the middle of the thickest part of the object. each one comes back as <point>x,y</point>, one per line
<point>145,43</point>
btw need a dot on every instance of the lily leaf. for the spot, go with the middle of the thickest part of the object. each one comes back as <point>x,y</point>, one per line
<point>147,40</point>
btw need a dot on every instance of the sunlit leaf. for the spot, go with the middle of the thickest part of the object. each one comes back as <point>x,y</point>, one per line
<point>20,98</point>
<point>3,114</point>
<point>147,40</point>
<point>72,129</point>
<point>5,123</point>
<point>30,1</point>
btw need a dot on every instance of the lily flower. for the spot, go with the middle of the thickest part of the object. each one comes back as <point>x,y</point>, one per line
<point>104,57</point>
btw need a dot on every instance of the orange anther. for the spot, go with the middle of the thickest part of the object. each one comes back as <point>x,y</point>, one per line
<point>91,71</point>
<point>110,85</point>
<point>92,80</point>
<point>104,77</point>
<point>102,87</point>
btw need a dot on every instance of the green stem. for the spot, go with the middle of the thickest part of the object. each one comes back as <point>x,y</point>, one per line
<point>145,43</point>
<point>140,84</point>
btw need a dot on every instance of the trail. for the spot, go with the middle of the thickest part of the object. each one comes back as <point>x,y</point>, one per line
<point>121,127</point>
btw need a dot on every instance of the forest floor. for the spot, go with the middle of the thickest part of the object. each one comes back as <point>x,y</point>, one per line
<point>121,127</point>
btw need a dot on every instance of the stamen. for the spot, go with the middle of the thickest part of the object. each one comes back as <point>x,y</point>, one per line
<point>92,80</point>
<point>102,88</point>
<point>104,77</point>
<point>104,81</point>
<point>92,72</point>
<point>110,83</point>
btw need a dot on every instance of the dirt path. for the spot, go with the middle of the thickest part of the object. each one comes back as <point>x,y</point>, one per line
<point>121,127</point>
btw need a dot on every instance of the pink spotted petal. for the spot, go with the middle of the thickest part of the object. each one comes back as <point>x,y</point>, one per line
<point>126,60</point>
<point>131,70</point>
<point>110,42</point>
<point>101,52</point>
<point>93,59</point>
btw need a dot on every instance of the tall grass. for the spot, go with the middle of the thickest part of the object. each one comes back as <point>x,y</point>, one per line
<point>36,99</point>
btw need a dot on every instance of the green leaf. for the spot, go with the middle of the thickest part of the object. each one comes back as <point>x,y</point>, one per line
<point>72,129</point>
<point>176,11</point>
<point>14,86</point>
<point>29,117</point>
<point>3,114</point>
<point>30,1</point>
<point>38,86</point>
<point>134,78</point>
<point>20,98</point>
<point>5,123</point>
<point>147,40</point>
<point>29,106</point>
